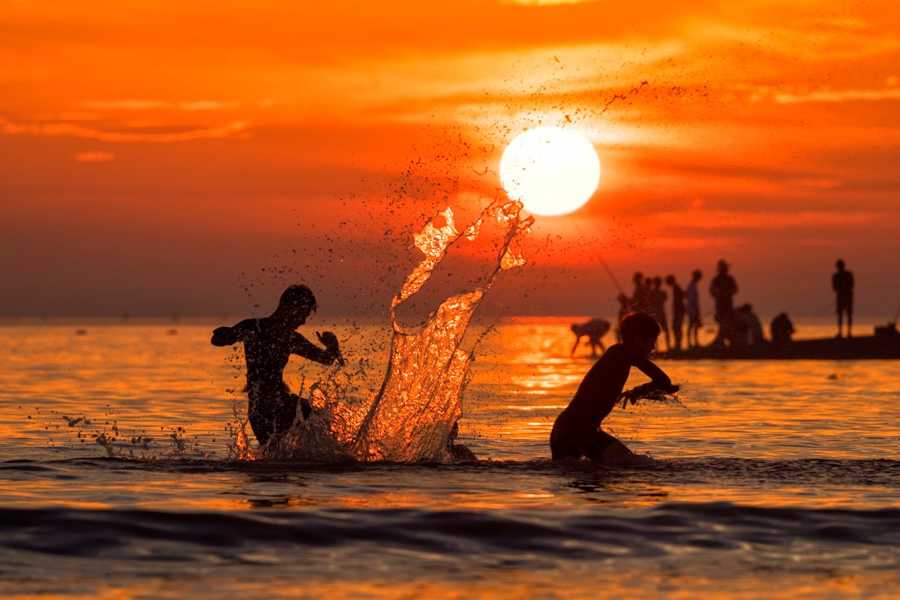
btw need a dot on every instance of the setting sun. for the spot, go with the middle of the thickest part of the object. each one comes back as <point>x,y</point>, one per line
<point>552,171</point>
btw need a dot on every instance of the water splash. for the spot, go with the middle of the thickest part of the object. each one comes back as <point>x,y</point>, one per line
<point>411,417</point>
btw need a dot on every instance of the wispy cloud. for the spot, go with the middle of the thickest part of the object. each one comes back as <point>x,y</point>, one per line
<point>226,130</point>
<point>94,156</point>
<point>839,96</point>
<point>725,219</point>
<point>191,105</point>
<point>546,2</point>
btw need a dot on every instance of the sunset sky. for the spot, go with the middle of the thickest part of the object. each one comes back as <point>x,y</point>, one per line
<point>192,157</point>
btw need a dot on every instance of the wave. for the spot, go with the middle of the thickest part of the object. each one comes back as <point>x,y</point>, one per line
<point>875,471</point>
<point>667,529</point>
<point>869,470</point>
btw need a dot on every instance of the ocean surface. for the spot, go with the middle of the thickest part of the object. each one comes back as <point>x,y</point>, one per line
<point>121,477</point>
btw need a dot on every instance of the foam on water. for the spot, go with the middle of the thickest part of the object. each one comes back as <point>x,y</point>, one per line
<point>411,417</point>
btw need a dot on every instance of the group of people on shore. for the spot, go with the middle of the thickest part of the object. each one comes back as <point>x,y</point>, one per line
<point>649,297</point>
<point>738,326</point>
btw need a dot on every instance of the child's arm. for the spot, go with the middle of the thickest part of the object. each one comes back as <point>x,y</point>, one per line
<point>226,336</point>
<point>660,379</point>
<point>303,347</point>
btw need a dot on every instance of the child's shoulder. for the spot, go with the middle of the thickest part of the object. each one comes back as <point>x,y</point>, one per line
<point>614,353</point>
<point>620,352</point>
<point>617,348</point>
<point>247,325</point>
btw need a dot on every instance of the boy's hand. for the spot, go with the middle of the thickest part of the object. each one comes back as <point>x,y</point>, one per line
<point>223,336</point>
<point>649,391</point>
<point>330,341</point>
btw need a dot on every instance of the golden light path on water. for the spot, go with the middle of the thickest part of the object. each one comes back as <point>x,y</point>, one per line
<point>634,584</point>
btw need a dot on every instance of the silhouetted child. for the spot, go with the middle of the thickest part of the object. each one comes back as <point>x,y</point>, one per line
<point>268,344</point>
<point>577,432</point>
<point>677,310</point>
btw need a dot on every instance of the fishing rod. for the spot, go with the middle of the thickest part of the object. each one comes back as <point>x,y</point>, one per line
<point>606,268</point>
<point>613,277</point>
<point>824,308</point>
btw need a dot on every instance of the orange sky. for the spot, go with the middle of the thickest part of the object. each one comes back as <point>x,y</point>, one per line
<point>159,157</point>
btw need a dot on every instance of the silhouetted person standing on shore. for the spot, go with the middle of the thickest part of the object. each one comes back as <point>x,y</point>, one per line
<point>656,303</point>
<point>677,310</point>
<point>842,284</point>
<point>723,288</point>
<point>268,345</point>
<point>624,306</point>
<point>638,299</point>
<point>692,306</point>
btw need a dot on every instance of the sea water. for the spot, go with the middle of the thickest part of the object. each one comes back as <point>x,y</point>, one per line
<point>776,479</point>
<point>127,471</point>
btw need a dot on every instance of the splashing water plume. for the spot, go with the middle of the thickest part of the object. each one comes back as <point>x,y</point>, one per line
<point>412,416</point>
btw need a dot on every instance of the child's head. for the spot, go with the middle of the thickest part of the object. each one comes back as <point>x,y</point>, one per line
<point>298,302</point>
<point>697,275</point>
<point>670,280</point>
<point>639,328</point>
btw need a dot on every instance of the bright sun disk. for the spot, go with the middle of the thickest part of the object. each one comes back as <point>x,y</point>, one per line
<point>552,171</point>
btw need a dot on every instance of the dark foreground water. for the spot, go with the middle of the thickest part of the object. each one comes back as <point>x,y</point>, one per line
<point>775,480</point>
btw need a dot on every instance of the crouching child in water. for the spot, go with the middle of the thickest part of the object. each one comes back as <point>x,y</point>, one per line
<point>577,432</point>
<point>268,345</point>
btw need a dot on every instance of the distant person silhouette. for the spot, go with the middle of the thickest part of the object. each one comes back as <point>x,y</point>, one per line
<point>751,325</point>
<point>842,284</point>
<point>593,330</point>
<point>576,431</point>
<point>723,288</point>
<point>646,304</point>
<point>692,307</point>
<point>638,300</point>
<point>268,345</point>
<point>624,306</point>
<point>677,310</point>
<point>782,329</point>
<point>656,305</point>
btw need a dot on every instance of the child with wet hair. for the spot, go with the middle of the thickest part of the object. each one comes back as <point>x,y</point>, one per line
<point>268,345</point>
<point>577,432</point>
